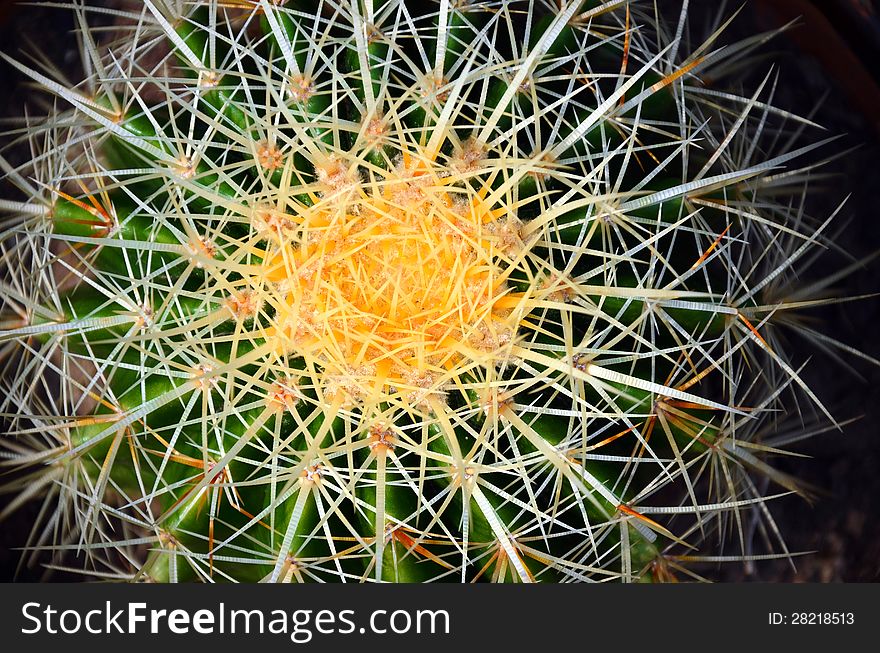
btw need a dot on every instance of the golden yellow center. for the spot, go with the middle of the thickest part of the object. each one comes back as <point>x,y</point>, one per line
<point>393,285</point>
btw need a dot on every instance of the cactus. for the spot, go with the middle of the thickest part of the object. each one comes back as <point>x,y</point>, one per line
<point>374,290</point>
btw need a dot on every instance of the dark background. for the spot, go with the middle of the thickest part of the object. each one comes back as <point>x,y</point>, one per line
<point>834,51</point>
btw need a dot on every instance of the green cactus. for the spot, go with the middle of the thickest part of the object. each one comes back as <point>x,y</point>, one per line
<point>374,290</point>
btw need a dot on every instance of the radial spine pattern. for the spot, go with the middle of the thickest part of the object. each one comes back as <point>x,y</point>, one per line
<point>403,291</point>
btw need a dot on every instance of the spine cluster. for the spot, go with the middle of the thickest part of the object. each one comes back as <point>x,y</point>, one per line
<point>400,291</point>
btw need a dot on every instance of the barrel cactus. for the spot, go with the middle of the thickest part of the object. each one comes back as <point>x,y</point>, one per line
<point>375,290</point>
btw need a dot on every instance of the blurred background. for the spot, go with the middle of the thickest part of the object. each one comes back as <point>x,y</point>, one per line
<point>830,59</point>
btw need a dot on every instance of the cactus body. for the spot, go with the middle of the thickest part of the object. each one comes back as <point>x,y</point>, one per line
<point>318,291</point>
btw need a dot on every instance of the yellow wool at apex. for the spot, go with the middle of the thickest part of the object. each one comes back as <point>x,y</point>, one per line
<point>393,284</point>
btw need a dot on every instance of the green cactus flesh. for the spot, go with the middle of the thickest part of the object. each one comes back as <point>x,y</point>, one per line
<point>319,291</point>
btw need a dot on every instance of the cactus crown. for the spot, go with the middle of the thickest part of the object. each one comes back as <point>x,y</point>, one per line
<point>370,290</point>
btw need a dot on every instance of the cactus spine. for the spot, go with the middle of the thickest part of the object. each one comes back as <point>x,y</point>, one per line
<point>342,291</point>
